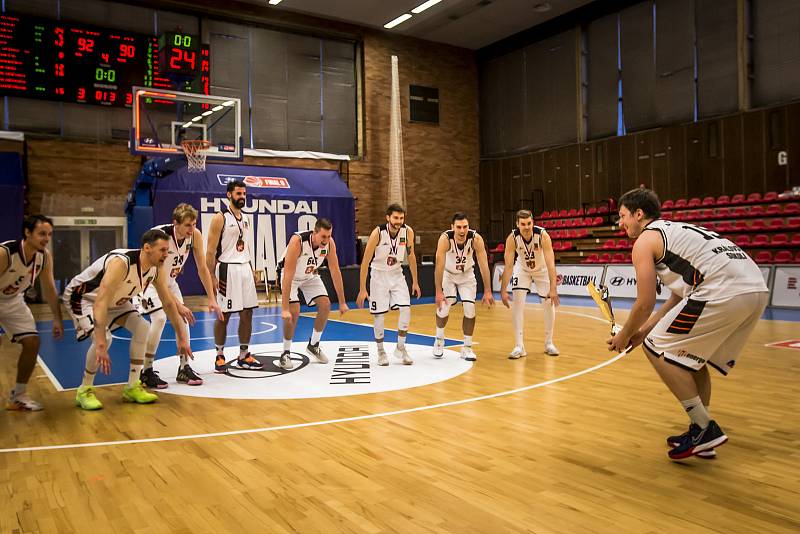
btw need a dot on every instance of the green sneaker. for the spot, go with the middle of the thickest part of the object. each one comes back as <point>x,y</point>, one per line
<point>86,399</point>
<point>138,394</point>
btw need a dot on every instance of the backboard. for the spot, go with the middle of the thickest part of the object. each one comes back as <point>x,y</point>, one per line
<point>163,118</point>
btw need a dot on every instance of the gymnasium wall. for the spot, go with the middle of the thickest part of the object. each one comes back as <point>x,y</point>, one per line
<point>76,154</point>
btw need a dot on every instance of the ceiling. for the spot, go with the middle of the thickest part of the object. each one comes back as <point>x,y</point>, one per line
<point>466,23</point>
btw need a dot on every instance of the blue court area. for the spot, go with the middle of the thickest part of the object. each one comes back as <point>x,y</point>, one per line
<point>65,359</point>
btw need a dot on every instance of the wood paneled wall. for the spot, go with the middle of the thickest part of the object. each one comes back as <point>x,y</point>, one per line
<point>727,155</point>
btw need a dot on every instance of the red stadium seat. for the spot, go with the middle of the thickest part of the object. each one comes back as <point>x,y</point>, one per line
<point>791,208</point>
<point>779,240</point>
<point>602,210</point>
<point>628,257</point>
<point>599,220</point>
<point>760,240</point>
<point>741,211</point>
<point>722,213</point>
<point>609,244</point>
<point>737,199</point>
<point>556,246</point>
<point>694,203</point>
<point>566,245</point>
<point>560,223</point>
<point>499,248</point>
<point>710,225</point>
<point>783,256</point>
<point>591,258</point>
<point>776,224</point>
<point>797,257</point>
<point>681,203</point>
<point>580,233</point>
<point>743,240</point>
<point>723,199</point>
<point>741,226</point>
<point>793,223</point>
<point>795,242</point>
<point>619,257</point>
<point>591,211</point>
<point>774,209</point>
<point>709,201</point>
<point>623,244</point>
<point>757,211</point>
<point>769,196</point>
<point>587,221</point>
<point>757,225</point>
<point>706,214</point>
<point>666,215</point>
<point>752,198</point>
<point>563,213</point>
<point>763,256</point>
<point>604,258</point>
<point>679,216</point>
<point>573,212</point>
<point>724,226</point>
<point>667,205</point>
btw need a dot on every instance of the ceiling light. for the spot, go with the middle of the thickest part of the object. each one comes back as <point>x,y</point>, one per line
<point>187,124</point>
<point>216,108</point>
<point>274,2</point>
<point>207,113</point>
<point>197,119</point>
<point>422,7</point>
<point>399,20</point>
<point>228,103</point>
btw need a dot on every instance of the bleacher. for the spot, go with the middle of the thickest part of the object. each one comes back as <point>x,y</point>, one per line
<point>766,226</point>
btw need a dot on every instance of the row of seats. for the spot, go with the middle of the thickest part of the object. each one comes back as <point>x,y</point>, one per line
<point>763,240</point>
<point>622,244</point>
<point>607,257</point>
<point>722,200</point>
<point>562,246</point>
<point>574,212</point>
<point>762,256</point>
<point>772,210</point>
<point>573,223</point>
<point>756,225</point>
<point>579,233</point>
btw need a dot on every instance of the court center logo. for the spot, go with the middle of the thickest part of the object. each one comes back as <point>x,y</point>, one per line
<point>352,369</point>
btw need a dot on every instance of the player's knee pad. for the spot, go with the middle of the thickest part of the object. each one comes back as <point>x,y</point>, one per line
<point>377,325</point>
<point>405,318</point>
<point>444,310</point>
<point>469,309</point>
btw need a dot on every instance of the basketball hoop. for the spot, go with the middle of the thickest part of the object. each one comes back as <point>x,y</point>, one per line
<point>194,150</point>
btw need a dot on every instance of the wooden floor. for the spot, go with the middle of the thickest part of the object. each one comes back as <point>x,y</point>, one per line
<point>582,455</point>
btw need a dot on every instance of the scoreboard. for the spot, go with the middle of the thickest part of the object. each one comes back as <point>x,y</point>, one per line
<point>70,62</point>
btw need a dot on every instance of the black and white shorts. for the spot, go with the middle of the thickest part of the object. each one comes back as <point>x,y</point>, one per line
<point>16,318</point>
<point>237,288</point>
<point>312,289</point>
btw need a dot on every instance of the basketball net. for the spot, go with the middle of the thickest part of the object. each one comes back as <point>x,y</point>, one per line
<point>194,150</point>
<point>397,179</point>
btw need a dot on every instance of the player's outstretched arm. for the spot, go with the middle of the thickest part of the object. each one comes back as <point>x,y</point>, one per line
<point>508,268</point>
<point>550,261</point>
<point>336,277</point>
<point>214,235</point>
<point>170,307</point>
<point>51,295</point>
<point>198,250</point>
<point>369,252</point>
<point>116,270</point>
<point>412,264</point>
<point>438,273</point>
<point>483,264</point>
<point>293,251</point>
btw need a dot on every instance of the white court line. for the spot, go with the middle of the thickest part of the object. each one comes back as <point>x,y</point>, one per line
<point>49,374</point>
<point>327,421</point>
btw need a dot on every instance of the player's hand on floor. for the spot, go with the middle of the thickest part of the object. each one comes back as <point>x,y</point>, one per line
<point>619,342</point>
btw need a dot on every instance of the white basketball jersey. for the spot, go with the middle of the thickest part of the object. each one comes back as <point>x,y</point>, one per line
<point>530,254</point>
<point>310,259</point>
<point>458,259</point>
<point>232,246</point>
<point>391,251</point>
<point>86,284</point>
<point>21,272</point>
<point>703,265</point>
<point>178,250</point>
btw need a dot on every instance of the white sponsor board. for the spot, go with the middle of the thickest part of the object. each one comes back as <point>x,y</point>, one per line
<point>621,282</point>
<point>352,370</point>
<point>573,279</point>
<point>786,287</point>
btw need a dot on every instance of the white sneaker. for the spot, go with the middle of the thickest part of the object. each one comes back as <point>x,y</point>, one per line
<point>467,354</point>
<point>285,361</point>
<point>518,352</point>
<point>316,352</point>
<point>383,359</point>
<point>551,349</point>
<point>402,353</point>
<point>438,348</point>
<point>23,403</point>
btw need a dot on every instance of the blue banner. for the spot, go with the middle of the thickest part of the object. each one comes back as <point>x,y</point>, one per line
<point>280,201</point>
<point>12,191</point>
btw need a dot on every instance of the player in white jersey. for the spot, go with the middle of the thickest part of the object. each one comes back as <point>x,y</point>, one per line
<point>231,259</point>
<point>21,262</point>
<point>455,277</point>
<point>184,238</point>
<point>99,301</point>
<point>718,296</point>
<point>387,247</point>
<point>535,263</point>
<point>304,255</point>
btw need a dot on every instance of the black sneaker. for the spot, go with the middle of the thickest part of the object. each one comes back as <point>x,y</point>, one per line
<point>186,375</point>
<point>698,440</point>
<point>675,441</point>
<point>248,362</point>
<point>150,378</point>
<point>219,364</point>
<point>316,352</point>
<point>286,361</point>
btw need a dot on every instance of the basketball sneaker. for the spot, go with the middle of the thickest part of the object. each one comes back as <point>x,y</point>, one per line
<point>550,349</point>
<point>138,394</point>
<point>186,375</point>
<point>698,440</point>
<point>402,353</point>
<point>316,352</point>
<point>22,403</point>
<point>517,353</point>
<point>383,359</point>
<point>86,399</point>
<point>675,441</point>
<point>219,364</point>
<point>286,361</point>
<point>438,348</point>
<point>467,354</point>
<point>149,377</point>
<point>248,362</point>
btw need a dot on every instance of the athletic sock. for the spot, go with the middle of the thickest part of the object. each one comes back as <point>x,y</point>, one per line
<point>697,412</point>
<point>315,337</point>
